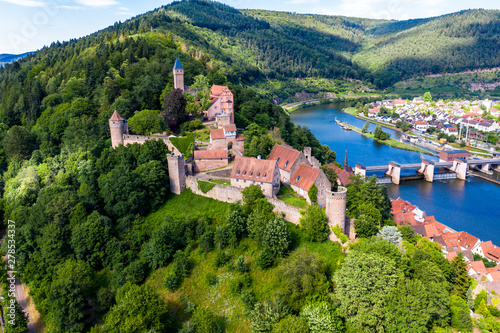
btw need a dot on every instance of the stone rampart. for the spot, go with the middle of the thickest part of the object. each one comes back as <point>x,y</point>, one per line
<point>291,214</point>
<point>233,194</point>
<point>140,139</point>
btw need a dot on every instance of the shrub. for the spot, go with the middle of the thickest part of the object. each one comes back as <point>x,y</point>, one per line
<point>313,193</point>
<point>241,266</point>
<point>277,237</point>
<point>221,258</point>
<point>337,230</point>
<point>236,286</point>
<point>313,222</point>
<point>266,258</point>
<point>221,237</point>
<point>180,270</point>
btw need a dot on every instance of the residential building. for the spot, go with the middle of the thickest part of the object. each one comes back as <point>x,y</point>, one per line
<point>248,171</point>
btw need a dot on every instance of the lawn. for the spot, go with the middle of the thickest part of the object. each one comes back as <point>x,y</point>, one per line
<point>221,182</point>
<point>203,134</point>
<point>182,143</point>
<point>284,190</point>
<point>190,205</point>
<point>294,200</point>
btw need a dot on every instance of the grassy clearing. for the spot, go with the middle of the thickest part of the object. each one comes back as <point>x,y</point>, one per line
<point>190,205</point>
<point>221,182</point>
<point>295,200</point>
<point>285,190</point>
<point>182,143</point>
<point>203,134</point>
<point>205,186</point>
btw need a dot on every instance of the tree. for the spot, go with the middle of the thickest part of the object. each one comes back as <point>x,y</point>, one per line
<point>328,154</point>
<point>427,97</point>
<point>321,317</point>
<point>18,143</point>
<point>137,309</point>
<point>365,127</point>
<point>89,239</point>
<point>462,279</point>
<point>313,222</point>
<point>277,237</point>
<point>291,324</point>
<point>159,249</point>
<point>146,122</point>
<point>65,304</point>
<point>362,284</point>
<point>303,277</point>
<point>366,225</point>
<point>460,318</point>
<point>174,109</point>
<point>250,195</point>
<point>262,214</point>
<point>390,234</point>
<point>331,175</point>
<point>313,193</point>
<point>378,133</point>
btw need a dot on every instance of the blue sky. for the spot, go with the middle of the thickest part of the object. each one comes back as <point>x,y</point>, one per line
<point>28,25</point>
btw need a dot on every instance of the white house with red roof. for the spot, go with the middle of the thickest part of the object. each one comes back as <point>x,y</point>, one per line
<point>222,105</point>
<point>248,171</point>
<point>305,177</point>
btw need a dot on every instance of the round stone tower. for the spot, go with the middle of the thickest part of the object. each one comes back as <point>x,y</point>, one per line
<point>176,173</point>
<point>178,75</point>
<point>117,129</point>
<point>335,208</point>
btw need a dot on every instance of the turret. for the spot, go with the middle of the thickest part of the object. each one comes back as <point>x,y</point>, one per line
<point>176,173</point>
<point>117,127</point>
<point>178,75</point>
<point>335,208</point>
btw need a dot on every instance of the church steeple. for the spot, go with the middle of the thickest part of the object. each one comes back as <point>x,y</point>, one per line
<point>345,159</point>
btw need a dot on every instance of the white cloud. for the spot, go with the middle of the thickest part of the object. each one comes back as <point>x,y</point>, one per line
<point>299,2</point>
<point>124,9</point>
<point>72,7</point>
<point>97,3</point>
<point>26,3</point>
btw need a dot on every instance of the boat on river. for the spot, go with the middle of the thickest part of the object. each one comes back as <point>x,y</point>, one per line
<point>343,125</point>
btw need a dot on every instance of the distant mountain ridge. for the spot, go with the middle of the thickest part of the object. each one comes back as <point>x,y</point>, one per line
<point>8,58</point>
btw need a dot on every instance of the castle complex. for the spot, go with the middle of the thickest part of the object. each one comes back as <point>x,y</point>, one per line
<point>298,169</point>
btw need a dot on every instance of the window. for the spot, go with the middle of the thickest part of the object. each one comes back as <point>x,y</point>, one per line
<point>244,173</point>
<point>298,178</point>
<point>286,164</point>
<point>250,174</point>
<point>237,172</point>
<point>258,174</point>
<point>278,159</point>
<point>264,175</point>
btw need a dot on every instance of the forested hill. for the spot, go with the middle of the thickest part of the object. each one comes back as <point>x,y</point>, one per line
<point>252,44</point>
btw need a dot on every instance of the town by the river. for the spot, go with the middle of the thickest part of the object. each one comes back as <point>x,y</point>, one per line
<point>472,206</point>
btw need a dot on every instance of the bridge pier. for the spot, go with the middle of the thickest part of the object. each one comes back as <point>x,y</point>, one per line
<point>485,168</point>
<point>394,172</point>
<point>427,169</point>
<point>460,167</point>
<point>360,170</point>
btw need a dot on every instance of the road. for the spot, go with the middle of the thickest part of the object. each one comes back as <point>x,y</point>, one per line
<point>23,303</point>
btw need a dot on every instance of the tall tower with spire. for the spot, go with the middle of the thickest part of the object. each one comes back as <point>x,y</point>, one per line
<point>178,75</point>
<point>347,167</point>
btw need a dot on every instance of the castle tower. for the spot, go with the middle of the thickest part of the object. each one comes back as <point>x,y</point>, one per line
<point>345,160</point>
<point>178,75</point>
<point>335,208</point>
<point>307,151</point>
<point>176,173</point>
<point>117,128</point>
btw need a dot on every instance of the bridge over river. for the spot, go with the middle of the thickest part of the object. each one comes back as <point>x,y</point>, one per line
<point>429,170</point>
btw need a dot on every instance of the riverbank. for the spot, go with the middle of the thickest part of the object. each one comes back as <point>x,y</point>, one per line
<point>389,142</point>
<point>290,107</point>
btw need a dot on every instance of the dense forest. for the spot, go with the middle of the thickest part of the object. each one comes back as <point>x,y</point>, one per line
<point>105,247</point>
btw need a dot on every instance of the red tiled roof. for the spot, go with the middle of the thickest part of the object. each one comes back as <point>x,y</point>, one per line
<point>491,251</point>
<point>405,219</point>
<point>116,117</point>
<point>305,176</point>
<point>240,137</point>
<point>430,230</point>
<point>209,154</point>
<point>478,267</point>
<point>217,134</point>
<point>495,276</point>
<point>254,169</point>
<point>451,255</point>
<point>218,90</point>
<point>283,155</point>
<point>230,128</point>
<point>343,175</point>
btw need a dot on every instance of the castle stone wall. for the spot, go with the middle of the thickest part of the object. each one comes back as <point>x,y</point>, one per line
<point>176,173</point>
<point>209,164</point>
<point>233,194</point>
<point>141,139</point>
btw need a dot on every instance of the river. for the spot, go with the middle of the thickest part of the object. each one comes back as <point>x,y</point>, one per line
<point>472,206</point>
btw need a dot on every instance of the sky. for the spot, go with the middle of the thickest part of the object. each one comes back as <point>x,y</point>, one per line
<point>28,25</point>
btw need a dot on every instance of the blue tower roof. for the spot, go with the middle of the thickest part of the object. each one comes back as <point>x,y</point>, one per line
<point>177,64</point>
